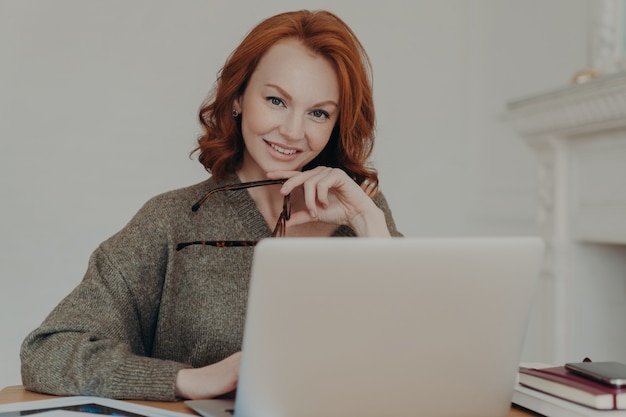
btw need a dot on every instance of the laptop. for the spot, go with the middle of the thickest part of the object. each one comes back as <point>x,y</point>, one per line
<point>398,327</point>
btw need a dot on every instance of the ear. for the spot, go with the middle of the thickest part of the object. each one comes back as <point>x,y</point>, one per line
<point>237,105</point>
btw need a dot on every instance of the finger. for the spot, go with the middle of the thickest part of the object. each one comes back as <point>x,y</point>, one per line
<point>316,190</point>
<point>277,175</point>
<point>300,217</point>
<point>297,178</point>
<point>337,180</point>
<point>325,181</point>
<point>370,187</point>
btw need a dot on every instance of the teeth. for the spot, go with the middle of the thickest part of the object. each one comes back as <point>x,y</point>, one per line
<point>283,150</point>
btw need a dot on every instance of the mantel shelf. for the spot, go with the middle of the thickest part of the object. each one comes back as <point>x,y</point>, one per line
<point>598,104</point>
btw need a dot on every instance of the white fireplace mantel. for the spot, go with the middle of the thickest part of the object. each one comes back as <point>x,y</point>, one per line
<point>598,104</point>
<point>579,136</point>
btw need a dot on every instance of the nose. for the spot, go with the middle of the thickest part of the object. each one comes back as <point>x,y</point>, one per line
<point>292,126</point>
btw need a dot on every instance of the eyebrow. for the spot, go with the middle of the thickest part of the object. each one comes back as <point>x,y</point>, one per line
<point>288,96</point>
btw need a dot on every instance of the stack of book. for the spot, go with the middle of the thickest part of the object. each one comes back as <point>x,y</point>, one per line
<point>556,392</point>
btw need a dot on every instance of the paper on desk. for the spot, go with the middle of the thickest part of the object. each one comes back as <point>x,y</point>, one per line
<point>78,406</point>
<point>62,413</point>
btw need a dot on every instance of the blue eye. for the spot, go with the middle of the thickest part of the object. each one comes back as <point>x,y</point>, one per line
<point>275,101</point>
<point>320,114</point>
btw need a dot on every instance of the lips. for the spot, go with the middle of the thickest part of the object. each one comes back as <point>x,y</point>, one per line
<point>282,150</point>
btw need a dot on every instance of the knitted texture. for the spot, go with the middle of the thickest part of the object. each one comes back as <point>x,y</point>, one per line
<point>143,310</point>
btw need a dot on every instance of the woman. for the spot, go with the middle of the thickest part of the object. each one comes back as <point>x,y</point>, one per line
<point>287,134</point>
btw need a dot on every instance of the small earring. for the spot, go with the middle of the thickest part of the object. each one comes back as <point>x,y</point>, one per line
<point>235,113</point>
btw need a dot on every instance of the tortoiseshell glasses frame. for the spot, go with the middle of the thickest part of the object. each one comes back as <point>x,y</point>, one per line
<point>279,230</point>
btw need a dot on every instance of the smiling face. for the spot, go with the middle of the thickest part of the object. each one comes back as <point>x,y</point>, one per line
<point>288,109</point>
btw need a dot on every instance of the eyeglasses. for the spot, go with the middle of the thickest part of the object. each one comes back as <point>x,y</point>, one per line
<point>279,230</point>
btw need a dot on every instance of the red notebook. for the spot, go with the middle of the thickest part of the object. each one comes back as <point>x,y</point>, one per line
<point>561,383</point>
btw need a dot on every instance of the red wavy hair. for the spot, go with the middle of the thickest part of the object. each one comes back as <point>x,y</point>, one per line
<point>352,140</point>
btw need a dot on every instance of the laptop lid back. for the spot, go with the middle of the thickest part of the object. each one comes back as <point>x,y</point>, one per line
<point>376,327</point>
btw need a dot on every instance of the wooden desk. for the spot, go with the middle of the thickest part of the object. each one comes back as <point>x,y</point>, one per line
<point>17,393</point>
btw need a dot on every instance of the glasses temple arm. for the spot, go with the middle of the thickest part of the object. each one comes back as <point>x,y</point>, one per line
<point>235,187</point>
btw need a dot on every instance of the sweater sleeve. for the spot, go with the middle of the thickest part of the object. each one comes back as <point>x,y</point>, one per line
<point>381,202</point>
<point>98,340</point>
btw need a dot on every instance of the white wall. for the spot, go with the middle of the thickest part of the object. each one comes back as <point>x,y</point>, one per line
<point>98,104</point>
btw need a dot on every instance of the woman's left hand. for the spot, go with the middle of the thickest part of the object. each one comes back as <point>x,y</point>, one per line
<point>331,196</point>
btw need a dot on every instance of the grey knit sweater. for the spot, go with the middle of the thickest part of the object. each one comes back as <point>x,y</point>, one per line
<point>144,310</point>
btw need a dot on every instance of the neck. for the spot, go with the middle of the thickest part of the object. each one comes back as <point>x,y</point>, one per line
<point>268,199</point>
